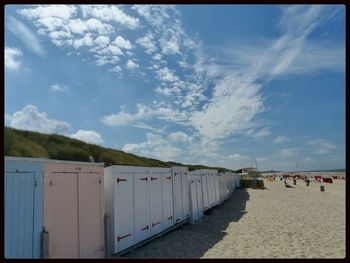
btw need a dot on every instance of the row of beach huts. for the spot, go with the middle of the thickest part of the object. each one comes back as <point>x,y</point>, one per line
<point>66,209</point>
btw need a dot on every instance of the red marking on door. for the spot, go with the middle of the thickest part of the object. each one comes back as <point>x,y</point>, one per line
<point>121,237</point>
<point>120,180</point>
<point>154,224</point>
<point>145,228</point>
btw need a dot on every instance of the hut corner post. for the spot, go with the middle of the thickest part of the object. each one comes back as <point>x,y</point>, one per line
<point>107,252</point>
<point>44,246</point>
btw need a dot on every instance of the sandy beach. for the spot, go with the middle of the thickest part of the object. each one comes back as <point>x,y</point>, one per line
<point>276,223</point>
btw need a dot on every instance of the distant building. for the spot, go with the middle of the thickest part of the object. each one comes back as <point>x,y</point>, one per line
<point>246,170</point>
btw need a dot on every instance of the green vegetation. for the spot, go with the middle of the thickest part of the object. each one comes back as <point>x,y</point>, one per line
<point>246,176</point>
<point>260,183</point>
<point>246,183</point>
<point>53,146</point>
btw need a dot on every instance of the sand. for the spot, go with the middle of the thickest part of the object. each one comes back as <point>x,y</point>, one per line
<point>276,223</point>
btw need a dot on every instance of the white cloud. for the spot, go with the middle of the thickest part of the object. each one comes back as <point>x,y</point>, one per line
<point>288,152</point>
<point>29,118</point>
<point>292,52</point>
<point>77,26</point>
<point>58,88</point>
<point>116,69</point>
<point>131,65</point>
<point>183,63</point>
<point>309,160</point>
<point>142,125</point>
<point>239,157</point>
<point>240,89</point>
<point>322,146</point>
<point>157,57</point>
<point>203,147</point>
<point>297,22</point>
<point>28,38</point>
<point>44,11</point>
<point>162,112</point>
<point>280,139</point>
<point>102,41</point>
<point>112,51</point>
<point>164,91</point>
<point>166,152</point>
<point>100,27</point>
<point>170,45</point>
<point>88,136</point>
<point>8,117</point>
<point>318,56</point>
<point>180,137</point>
<point>155,15</point>
<point>164,20</point>
<point>121,118</point>
<point>321,142</point>
<point>69,29</point>
<point>262,133</point>
<point>321,151</point>
<point>134,148</point>
<point>261,159</point>
<point>59,35</point>
<point>234,103</point>
<point>236,160</point>
<point>110,13</point>
<point>155,139</point>
<point>84,41</point>
<point>122,43</point>
<point>148,43</point>
<point>12,58</point>
<point>165,74</point>
<point>155,146</point>
<point>143,10</point>
<point>249,132</point>
<point>166,32</point>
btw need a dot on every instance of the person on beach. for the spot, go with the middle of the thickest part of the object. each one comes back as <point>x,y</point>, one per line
<point>307,181</point>
<point>286,184</point>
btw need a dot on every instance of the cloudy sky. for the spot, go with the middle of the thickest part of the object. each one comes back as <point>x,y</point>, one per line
<point>220,85</point>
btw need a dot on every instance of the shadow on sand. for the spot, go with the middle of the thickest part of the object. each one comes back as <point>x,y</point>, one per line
<point>192,241</point>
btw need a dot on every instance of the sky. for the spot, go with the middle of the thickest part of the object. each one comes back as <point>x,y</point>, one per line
<point>220,85</point>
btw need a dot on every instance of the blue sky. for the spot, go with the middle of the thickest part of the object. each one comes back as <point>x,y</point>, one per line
<point>220,85</point>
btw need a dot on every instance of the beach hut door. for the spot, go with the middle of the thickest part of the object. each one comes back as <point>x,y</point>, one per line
<point>61,214</point>
<point>194,201</point>
<point>177,193</point>
<point>19,201</point>
<point>167,192</point>
<point>124,211</point>
<point>156,203</point>
<point>185,196</point>
<point>91,239</point>
<point>142,209</point>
